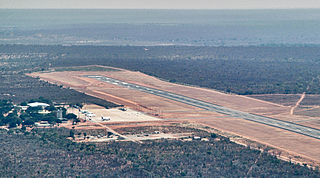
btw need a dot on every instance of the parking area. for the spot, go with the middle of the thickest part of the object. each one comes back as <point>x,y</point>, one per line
<point>97,113</point>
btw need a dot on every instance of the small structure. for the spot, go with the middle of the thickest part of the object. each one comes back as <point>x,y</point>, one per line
<point>42,124</point>
<point>44,112</point>
<point>205,139</point>
<point>84,111</point>
<point>90,115</point>
<point>23,108</point>
<point>59,114</point>
<point>196,138</point>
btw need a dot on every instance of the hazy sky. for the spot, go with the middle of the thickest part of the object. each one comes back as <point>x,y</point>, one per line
<point>161,4</point>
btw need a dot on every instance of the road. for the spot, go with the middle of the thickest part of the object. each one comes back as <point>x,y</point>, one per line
<point>115,132</point>
<point>293,127</point>
<point>298,103</point>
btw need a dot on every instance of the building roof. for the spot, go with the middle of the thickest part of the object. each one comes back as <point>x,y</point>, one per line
<point>36,104</point>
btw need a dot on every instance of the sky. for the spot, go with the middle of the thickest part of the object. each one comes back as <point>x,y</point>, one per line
<point>160,4</point>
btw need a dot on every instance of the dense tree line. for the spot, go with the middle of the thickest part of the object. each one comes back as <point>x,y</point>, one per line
<point>47,152</point>
<point>242,70</point>
<point>16,86</point>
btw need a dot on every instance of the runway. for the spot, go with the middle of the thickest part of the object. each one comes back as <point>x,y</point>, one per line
<point>293,127</point>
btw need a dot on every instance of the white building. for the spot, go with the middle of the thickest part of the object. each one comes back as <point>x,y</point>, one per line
<point>37,104</point>
<point>59,114</point>
<point>42,124</point>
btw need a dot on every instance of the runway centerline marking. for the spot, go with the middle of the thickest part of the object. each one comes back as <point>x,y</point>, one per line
<point>289,126</point>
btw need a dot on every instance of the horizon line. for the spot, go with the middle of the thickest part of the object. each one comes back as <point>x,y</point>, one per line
<point>316,8</point>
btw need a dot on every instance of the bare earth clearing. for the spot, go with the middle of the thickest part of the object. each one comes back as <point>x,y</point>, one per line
<point>292,143</point>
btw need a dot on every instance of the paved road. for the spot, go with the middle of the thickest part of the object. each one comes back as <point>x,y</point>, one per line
<point>311,132</point>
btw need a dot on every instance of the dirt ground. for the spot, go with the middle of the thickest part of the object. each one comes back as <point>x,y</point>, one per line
<point>166,109</point>
<point>139,137</point>
<point>283,99</point>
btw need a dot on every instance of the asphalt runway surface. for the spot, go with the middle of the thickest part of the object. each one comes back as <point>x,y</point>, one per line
<point>293,127</point>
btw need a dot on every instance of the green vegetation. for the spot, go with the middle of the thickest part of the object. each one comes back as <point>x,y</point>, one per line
<point>14,116</point>
<point>87,68</point>
<point>8,116</point>
<point>47,152</point>
<point>5,106</point>
<point>17,87</point>
<point>242,70</point>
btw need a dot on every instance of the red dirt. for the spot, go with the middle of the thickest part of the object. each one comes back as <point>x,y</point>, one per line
<point>168,109</point>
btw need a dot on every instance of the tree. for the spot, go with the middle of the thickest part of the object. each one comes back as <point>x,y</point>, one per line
<point>24,103</point>
<point>76,120</point>
<point>71,116</point>
<point>34,109</point>
<point>13,120</point>
<point>213,135</point>
<point>5,106</point>
<point>50,118</point>
<point>51,108</point>
<point>71,134</point>
<point>12,124</point>
<point>28,122</point>
<point>24,116</point>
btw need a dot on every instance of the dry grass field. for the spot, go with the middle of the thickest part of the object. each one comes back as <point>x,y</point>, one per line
<point>169,110</point>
